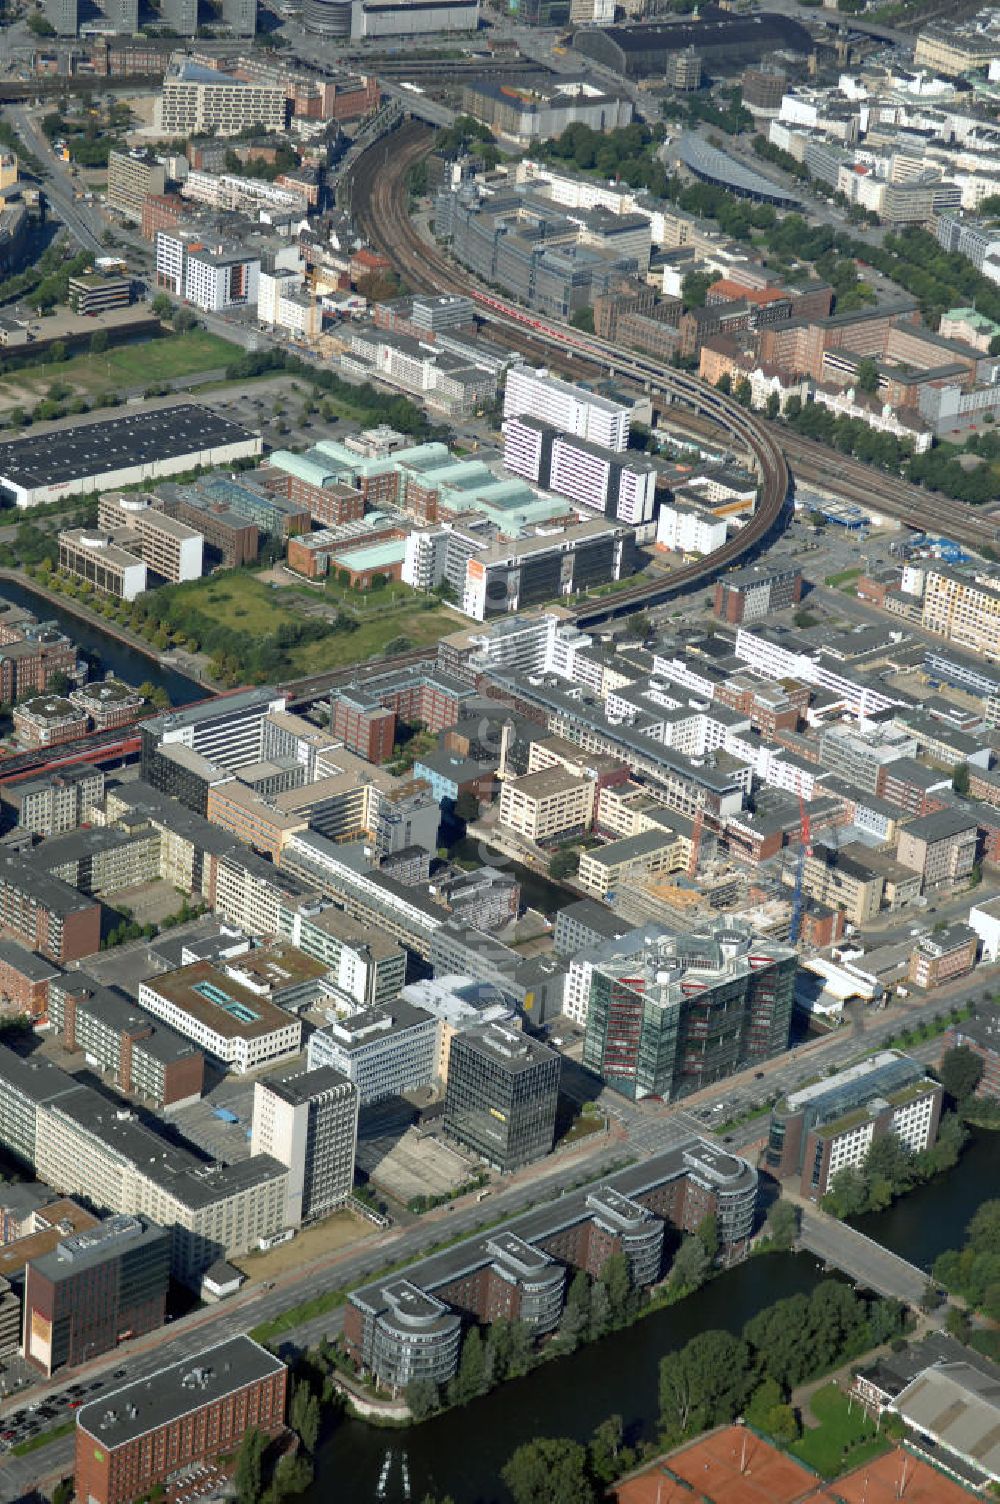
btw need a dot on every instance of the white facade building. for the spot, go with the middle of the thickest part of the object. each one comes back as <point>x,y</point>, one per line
<point>566,407</point>
<point>309,1122</point>
<point>689,530</point>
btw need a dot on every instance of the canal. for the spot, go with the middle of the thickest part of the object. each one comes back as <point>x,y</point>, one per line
<point>117,657</point>
<point>537,891</point>
<point>461,1453</point>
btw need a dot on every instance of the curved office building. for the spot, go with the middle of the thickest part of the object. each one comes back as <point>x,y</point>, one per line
<point>330,18</point>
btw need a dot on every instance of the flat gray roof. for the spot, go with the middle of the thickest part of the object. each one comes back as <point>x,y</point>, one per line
<point>132,1411</point>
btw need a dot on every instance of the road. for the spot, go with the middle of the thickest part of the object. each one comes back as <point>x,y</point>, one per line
<point>874,1267</point>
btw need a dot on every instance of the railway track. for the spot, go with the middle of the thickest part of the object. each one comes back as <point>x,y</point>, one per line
<point>380,199</point>
<point>382,203</point>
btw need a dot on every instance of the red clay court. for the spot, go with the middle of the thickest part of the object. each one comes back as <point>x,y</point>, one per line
<point>736,1467</point>
<point>729,1467</point>
<point>899,1478</point>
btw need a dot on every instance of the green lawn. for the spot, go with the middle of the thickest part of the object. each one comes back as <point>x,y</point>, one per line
<point>144,364</point>
<point>845,577</point>
<point>42,1439</point>
<point>844,1438</point>
<point>246,602</point>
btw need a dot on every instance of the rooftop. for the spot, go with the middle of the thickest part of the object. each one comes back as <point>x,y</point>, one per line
<point>123,1414</point>
<point>219,1003</point>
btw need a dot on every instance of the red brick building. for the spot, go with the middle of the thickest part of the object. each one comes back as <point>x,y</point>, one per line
<point>131,1439</point>
<point>24,980</point>
<point>327,505</point>
<point>937,959</point>
<point>161,211</point>
<point>366,729</point>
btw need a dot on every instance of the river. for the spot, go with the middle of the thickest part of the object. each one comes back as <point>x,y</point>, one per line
<point>537,891</point>
<point>125,662</point>
<point>461,1452</point>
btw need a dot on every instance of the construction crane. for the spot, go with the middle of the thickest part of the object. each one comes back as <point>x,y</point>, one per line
<point>696,834</point>
<point>805,849</point>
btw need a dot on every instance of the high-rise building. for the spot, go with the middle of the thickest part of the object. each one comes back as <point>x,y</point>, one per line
<point>92,1290</point>
<point>131,175</point>
<point>181,16</point>
<point>502,1093</point>
<point>572,409</point>
<point>66,17</point>
<point>689,1010</point>
<point>240,16</point>
<point>310,1123</point>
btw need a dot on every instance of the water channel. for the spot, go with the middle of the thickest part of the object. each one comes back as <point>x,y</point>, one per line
<point>461,1453</point>
<point>125,662</point>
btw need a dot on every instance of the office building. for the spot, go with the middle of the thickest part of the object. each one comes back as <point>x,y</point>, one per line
<point>547,806</point>
<point>963,608</point>
<point>689,1010</point>
<point>600,479</point>
<point>502,1093</point>
<point>92,293</point>
<point>544,106</point>
<point>229,1021</point>
<point>227,731</point>
<point>750,594</point>
<point>385,1051</point>
<point>169,547</point>
<point>240,16</point>
<point>107,566</point>
<point>48,720</point>
<point>228,538</point>
<point>947,49</point>
<point>132,175</point>
<point>142,1058</point>
<point>130,1441</point>
<point>56,802</point>
<point>534,393</point>
<point>309,1122</point>
<point>125,451</point>
<point>93,1290</point>
<point>831,1125</point>
<point>364,966</point>
<point>400,1329</point>
<point>511,576</point>
<point>197,100</point>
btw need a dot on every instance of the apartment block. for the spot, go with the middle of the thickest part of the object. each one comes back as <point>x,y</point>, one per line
<point>132,175</point>
<point>25,980</point>
<point>941,847</point>
<point>963,608</point>
<point>831,1125</point>
<point>197,100</point>
<point>748,595</point>
<point>571,409</point>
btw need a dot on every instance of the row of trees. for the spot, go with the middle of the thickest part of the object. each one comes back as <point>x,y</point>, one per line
<point>294,1471</point>
<point>371,405</point>
<point>890,1169</point>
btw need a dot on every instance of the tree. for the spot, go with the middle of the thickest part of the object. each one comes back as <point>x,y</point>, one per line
<point>782,1225</point>
<point>162,306</point>
<point>470,1380</point>
<point>99,342</point>
<point>39,25</point>
<point>583,319</point>
<point>705,1384</point>
<point>961,1071</point>
<point>576,1312</point>
<point>847,1195</point>
<point>422,1398</point>
<point>605,1449</point>
<point>58,683</point>
<point>304,1415</point>
<point>248,1477</point>
<point>564,864</point>
<point>707,1233</point>
<point>960,779</point>
<point>694,288</point>
<point>691,1264</point>
<point>772,406</point>
<point>551,1470</point>
<point>184,319</point>
<point>58,351</point>
<point>866,375</point>
<point>617,1282</point>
